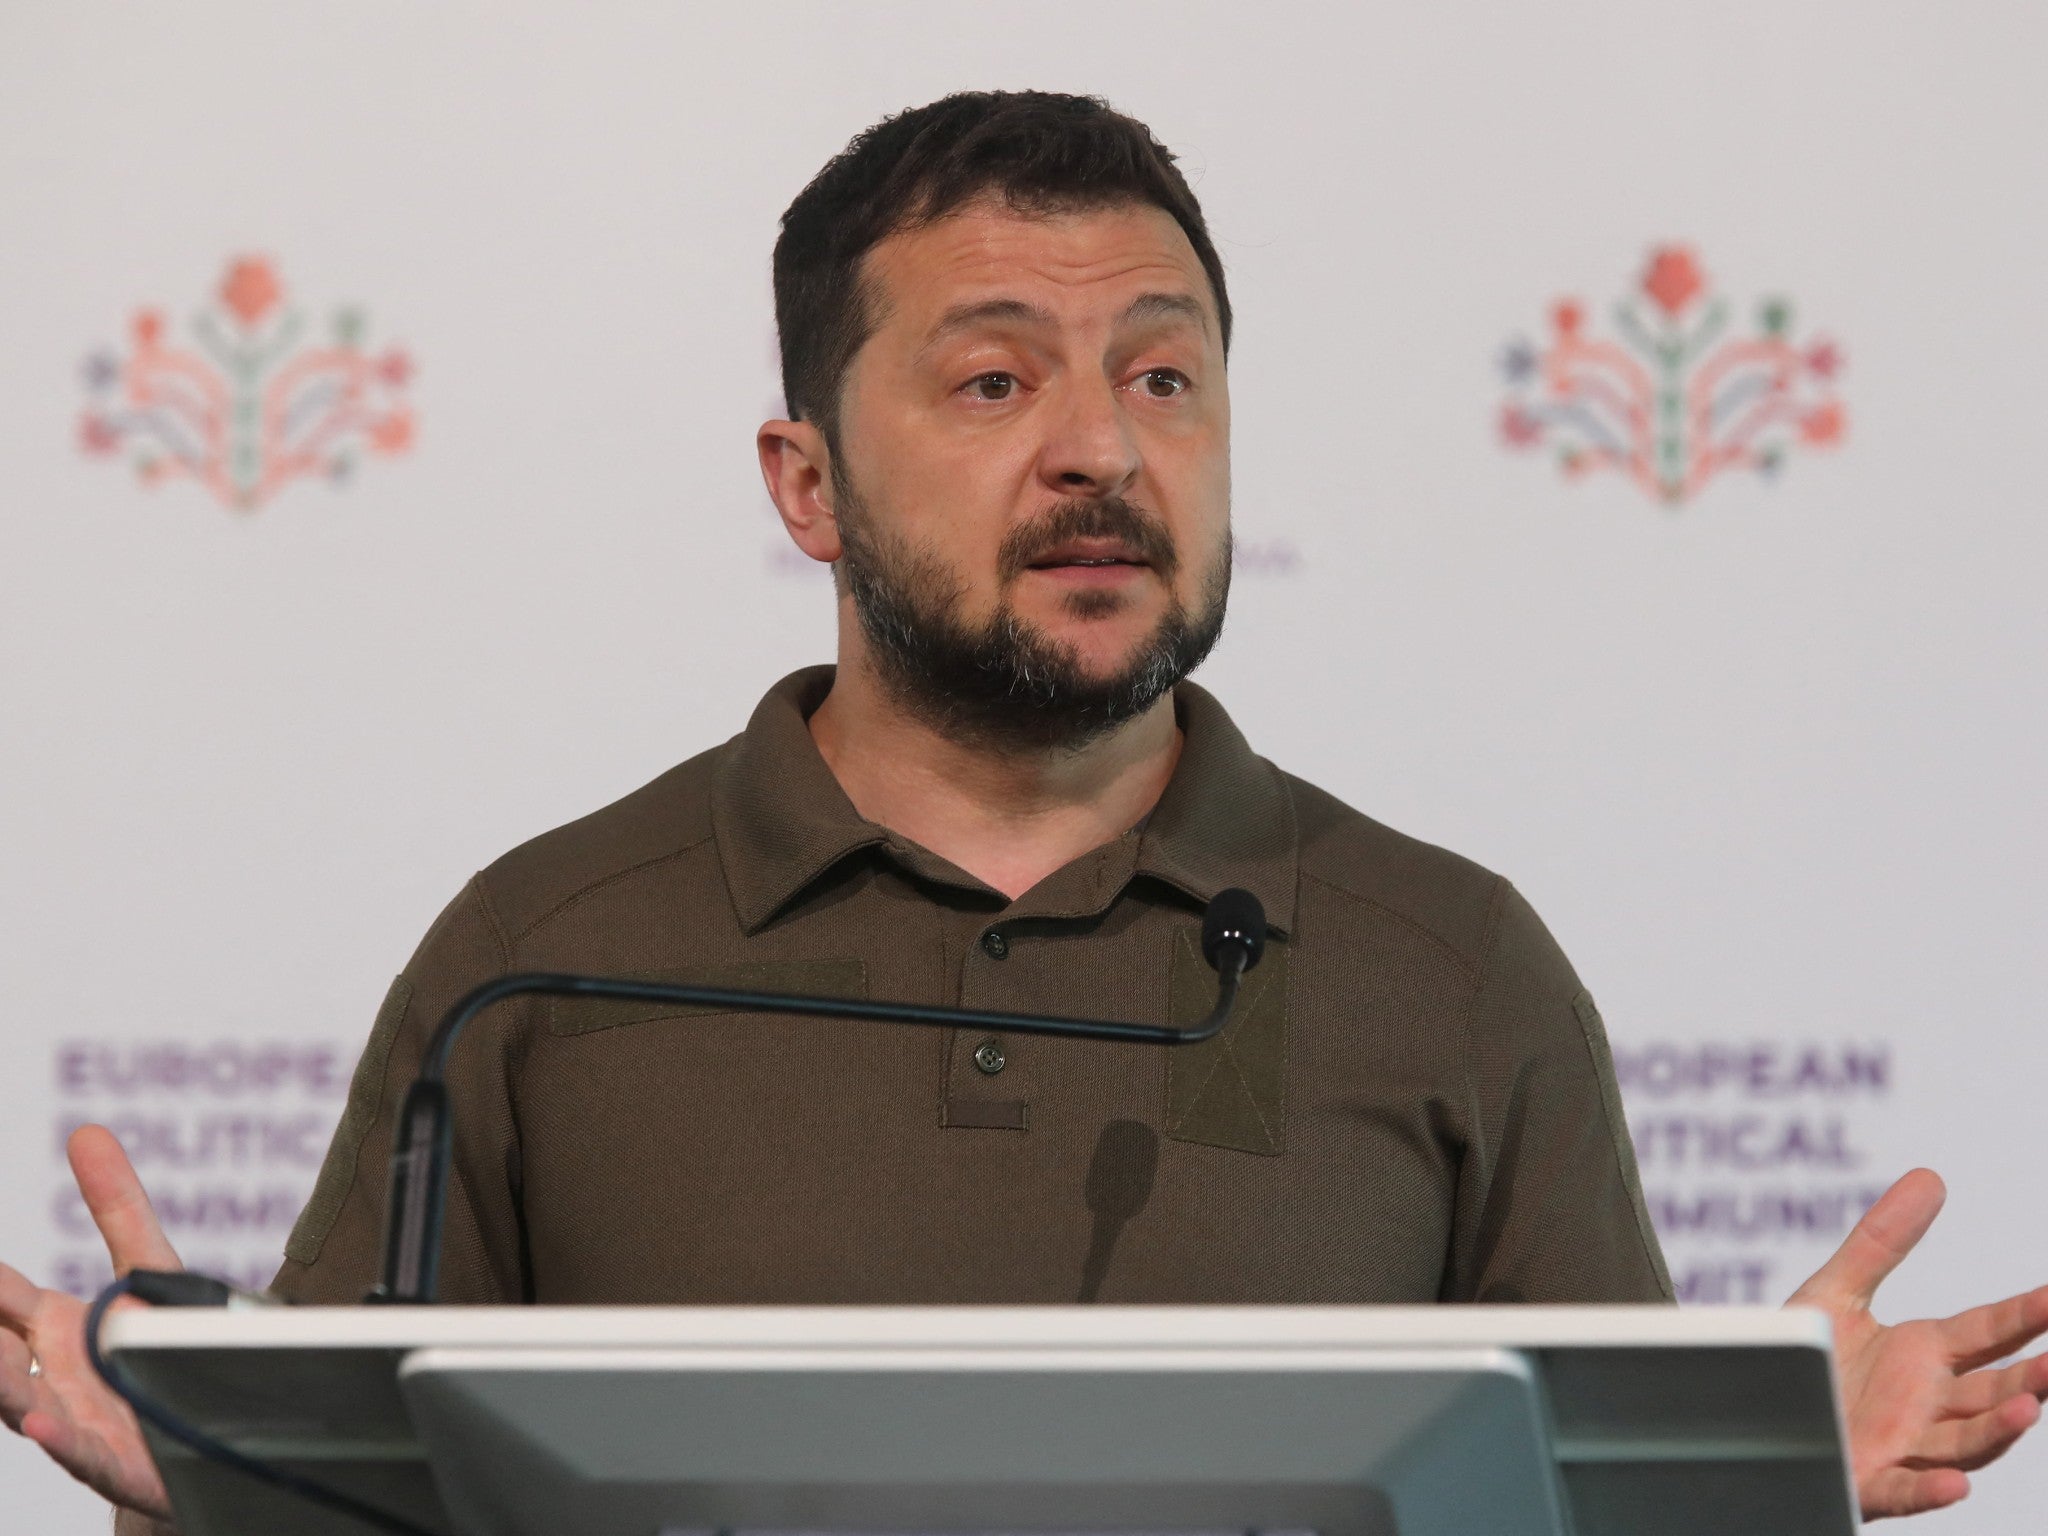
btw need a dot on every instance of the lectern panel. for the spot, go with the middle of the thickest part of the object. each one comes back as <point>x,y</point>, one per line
<point>1079,1421</point>
<point>1344,1443</point>
<point>1706,1498</point>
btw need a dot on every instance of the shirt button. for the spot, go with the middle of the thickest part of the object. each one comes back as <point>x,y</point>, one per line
<point>988,1056</point>
<point>994,945</point>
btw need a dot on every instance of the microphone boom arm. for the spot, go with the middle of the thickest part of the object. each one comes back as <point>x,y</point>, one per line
<point>1232,941</point>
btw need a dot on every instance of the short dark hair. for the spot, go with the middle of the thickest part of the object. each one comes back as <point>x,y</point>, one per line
<point>1038,151</point>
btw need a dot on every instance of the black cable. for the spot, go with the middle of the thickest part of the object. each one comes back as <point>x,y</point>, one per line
<point>191,1290</point>
<point>1233,938</point>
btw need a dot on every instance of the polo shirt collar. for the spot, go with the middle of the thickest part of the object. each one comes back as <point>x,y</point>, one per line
<point>781,820</point>
<point>1226,817</point>
<point>779,816</point>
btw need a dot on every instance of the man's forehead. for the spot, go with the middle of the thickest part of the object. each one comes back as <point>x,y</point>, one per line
<point>987,264</point>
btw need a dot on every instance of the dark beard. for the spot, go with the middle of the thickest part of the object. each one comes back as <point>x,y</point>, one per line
<point>1008,684</point>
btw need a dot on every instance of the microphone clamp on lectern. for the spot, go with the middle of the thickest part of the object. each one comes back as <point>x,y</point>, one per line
<point>1233,938</point>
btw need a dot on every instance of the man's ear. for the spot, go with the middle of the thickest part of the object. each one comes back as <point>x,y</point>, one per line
<point>796,464</point>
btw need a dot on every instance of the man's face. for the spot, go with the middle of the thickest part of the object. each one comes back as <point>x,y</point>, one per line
<point>1032,473</point>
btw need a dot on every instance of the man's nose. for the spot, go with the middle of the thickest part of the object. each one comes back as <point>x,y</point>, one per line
<point>1089,449</point>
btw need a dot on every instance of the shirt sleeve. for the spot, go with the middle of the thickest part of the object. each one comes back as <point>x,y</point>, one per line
<point>334,1253</point>
<point>1549,1203</point>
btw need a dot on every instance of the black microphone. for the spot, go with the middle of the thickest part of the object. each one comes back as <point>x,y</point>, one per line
<point>1233,937</point>
<point>1234,922</point>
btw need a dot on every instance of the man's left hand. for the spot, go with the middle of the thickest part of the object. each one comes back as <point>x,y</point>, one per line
<point>1923,1406</point>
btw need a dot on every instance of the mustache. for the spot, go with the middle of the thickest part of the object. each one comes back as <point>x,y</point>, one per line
<point>1111,517</point>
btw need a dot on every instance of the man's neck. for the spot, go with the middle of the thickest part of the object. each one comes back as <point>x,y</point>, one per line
<point>1008,818</point>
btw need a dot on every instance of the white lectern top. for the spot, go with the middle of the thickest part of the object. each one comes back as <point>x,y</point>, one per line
<point>1347,1421</point>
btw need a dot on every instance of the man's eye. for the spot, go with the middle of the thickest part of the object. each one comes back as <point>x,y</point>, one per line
<point>1164,383</point>
<point>992,386</point>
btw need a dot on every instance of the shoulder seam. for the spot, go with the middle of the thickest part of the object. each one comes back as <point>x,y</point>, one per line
<point>1615,1114</point>
<point>1496,903</point>
<point>1463,962</point>
<point>491,918</point>
<point>613,878</point>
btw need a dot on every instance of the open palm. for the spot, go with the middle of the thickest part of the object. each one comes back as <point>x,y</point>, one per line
<point>1923,1404</point>
<point>62,1405</point>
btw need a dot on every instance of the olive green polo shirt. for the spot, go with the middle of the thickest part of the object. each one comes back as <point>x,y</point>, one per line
<point>1415,1102</point>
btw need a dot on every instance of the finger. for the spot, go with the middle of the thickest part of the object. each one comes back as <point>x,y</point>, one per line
<point>1994,1330</point>
<point>1968,1444</point>
<point>1907,1491</point>
<point>120,1207</point>
<point>1877,1243</point>
<point>51,1433</point>
<point>21,1299</point>
<point>17,1387</point>
<point>1980,1390</point>
<point>88,1456</point>
<point>70,1447</point>
<point>14,1352</point>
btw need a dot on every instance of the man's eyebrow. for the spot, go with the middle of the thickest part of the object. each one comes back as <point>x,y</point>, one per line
<point>1146,306</point>
<point>1165,306</point>
<point>962,317</point>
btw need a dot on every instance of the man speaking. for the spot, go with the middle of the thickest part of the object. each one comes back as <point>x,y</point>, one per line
<point>1004,330</point>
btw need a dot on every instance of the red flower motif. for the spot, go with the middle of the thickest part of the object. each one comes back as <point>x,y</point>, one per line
<point>394,368</point>
<point>149,328</point>
<point>1567,317</point>
<point>251,289</point>
<point>1518,429</point>
<point>391,434</point>
<point>1824,425</point>
<point>1824,359</point>
<point>96,435</point>
<point>1674,279</point>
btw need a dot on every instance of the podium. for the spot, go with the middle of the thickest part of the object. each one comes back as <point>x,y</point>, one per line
<point>1195,1421</point>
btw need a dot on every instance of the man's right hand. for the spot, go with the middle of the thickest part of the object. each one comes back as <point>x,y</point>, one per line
<point>64,1407</point>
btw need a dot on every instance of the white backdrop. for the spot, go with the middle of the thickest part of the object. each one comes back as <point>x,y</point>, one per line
<point>1768,759</point>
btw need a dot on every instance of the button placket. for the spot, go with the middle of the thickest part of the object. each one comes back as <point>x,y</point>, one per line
<point>986,1088</point>
<point>991,1055</point>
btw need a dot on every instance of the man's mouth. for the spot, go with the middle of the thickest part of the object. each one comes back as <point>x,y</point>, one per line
<point>1089,554</point>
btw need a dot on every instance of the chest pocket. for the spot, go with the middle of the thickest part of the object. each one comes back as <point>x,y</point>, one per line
<point>1229,1091</point>
<point>805,978</point>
